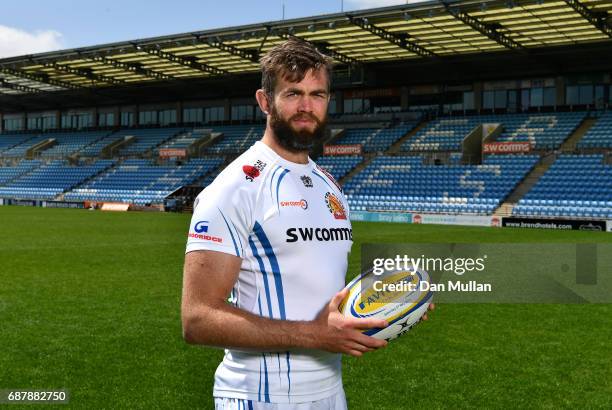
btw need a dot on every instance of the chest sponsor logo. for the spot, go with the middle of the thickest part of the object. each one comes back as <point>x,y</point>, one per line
<point>201,232</point>
<point>319,234</point>
<point>335,206</point>
<point>302,203</point>
<point>307,181</point>
<point>253,171</point>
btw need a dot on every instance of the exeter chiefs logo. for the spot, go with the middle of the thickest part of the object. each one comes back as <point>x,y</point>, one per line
<point>335,206</point>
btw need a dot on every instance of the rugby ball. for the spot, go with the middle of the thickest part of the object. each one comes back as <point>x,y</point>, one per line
<point>401,297</point>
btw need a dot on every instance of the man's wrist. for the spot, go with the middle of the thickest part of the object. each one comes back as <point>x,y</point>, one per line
<point>307,336</point>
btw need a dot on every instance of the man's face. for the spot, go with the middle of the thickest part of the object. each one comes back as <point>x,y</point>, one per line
<point>298,113</point>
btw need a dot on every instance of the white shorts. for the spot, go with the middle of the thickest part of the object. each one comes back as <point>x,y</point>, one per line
<point>335,402</point>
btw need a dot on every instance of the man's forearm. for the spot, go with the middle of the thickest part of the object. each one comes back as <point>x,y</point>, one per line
<point>228,326</point>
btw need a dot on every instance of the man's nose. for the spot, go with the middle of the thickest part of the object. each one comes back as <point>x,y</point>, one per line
<point>305,104</point>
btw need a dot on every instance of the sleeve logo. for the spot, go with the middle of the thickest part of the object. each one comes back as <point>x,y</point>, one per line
<point>201,226</point>
<point>201,230</point>
<point>253,171</point>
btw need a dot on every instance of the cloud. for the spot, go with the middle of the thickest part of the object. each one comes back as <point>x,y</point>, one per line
<point>370,4</point>
<point>15,42</point>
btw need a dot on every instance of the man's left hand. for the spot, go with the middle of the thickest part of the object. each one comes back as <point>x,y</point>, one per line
<point>432,306</point>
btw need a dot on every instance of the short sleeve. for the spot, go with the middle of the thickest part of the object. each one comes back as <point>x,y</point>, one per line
<point>221,220</point>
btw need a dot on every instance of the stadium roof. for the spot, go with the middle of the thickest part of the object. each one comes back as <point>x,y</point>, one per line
<point>429,30</point>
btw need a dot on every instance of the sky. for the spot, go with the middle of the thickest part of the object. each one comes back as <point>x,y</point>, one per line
<point>34,26</point>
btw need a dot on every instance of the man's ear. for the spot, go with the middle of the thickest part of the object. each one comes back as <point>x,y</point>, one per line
<point>262,101</point>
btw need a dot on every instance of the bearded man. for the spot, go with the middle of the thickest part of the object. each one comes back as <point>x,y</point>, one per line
<point>273,232</point>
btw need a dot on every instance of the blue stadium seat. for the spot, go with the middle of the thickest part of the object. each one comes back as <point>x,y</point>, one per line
<point>600,134</point>
<point>581,186</point>
<point>140,182</point>
<point>47,181</point>
<point>405,184</point>
<point>543,131</point>
<point>339,166</point>
<point>375,139</point>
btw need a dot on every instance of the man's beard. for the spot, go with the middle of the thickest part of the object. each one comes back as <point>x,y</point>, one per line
<point>292,140</point>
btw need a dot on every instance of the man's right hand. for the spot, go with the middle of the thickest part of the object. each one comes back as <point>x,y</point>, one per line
<point>341,334</point>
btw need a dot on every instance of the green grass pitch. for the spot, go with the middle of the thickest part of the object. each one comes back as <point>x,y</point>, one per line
<point>90,301</point>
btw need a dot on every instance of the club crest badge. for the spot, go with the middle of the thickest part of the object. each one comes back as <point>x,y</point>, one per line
<point>307,181</point>
<point>335,206</point>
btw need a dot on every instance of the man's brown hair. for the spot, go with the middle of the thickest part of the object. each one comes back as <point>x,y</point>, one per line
<point>292,60</point>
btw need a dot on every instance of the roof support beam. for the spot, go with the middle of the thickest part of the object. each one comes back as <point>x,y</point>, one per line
<point>263,40</point>
<point>489,30</point>
<point>187,62</point>
<point>89,74</point>
<point>598,21</point>
<point>399,40</point>
<point>324,48</point>
<point>252,56</point>
<point>41,78</point>
<point>133,68</point>
<point>18,87</point>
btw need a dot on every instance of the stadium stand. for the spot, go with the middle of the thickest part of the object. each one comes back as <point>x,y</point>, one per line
<point>68,143</point>
<point>19,150</point>
<point>209,179</point>
<point>146,139</point>
<point>95,149</point>
<point>9,173</point>
<point>339,166</point>
<point>375,139</point>
<point>405,184</point>
<point>50,179</point>
<point>544,131</point>
<point>388,183</point>
<point>553,96</point>
<point>8,141</point>
<point>600,135</point>
<point>182,140</point>
<point>455,158</point>
<point>444,134</point>
<point>574,186</point>
<point>236,138</point>
<point>140,182</point>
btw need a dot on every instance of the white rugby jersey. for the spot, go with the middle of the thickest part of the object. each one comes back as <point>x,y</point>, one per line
<point>290,225</point>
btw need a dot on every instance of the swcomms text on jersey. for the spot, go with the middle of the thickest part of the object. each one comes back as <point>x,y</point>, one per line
<point>319,234</point>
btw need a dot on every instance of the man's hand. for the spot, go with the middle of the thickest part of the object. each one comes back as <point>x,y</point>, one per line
<point>340,334</point>
<point>432,306</point>
<point>207,319</point>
